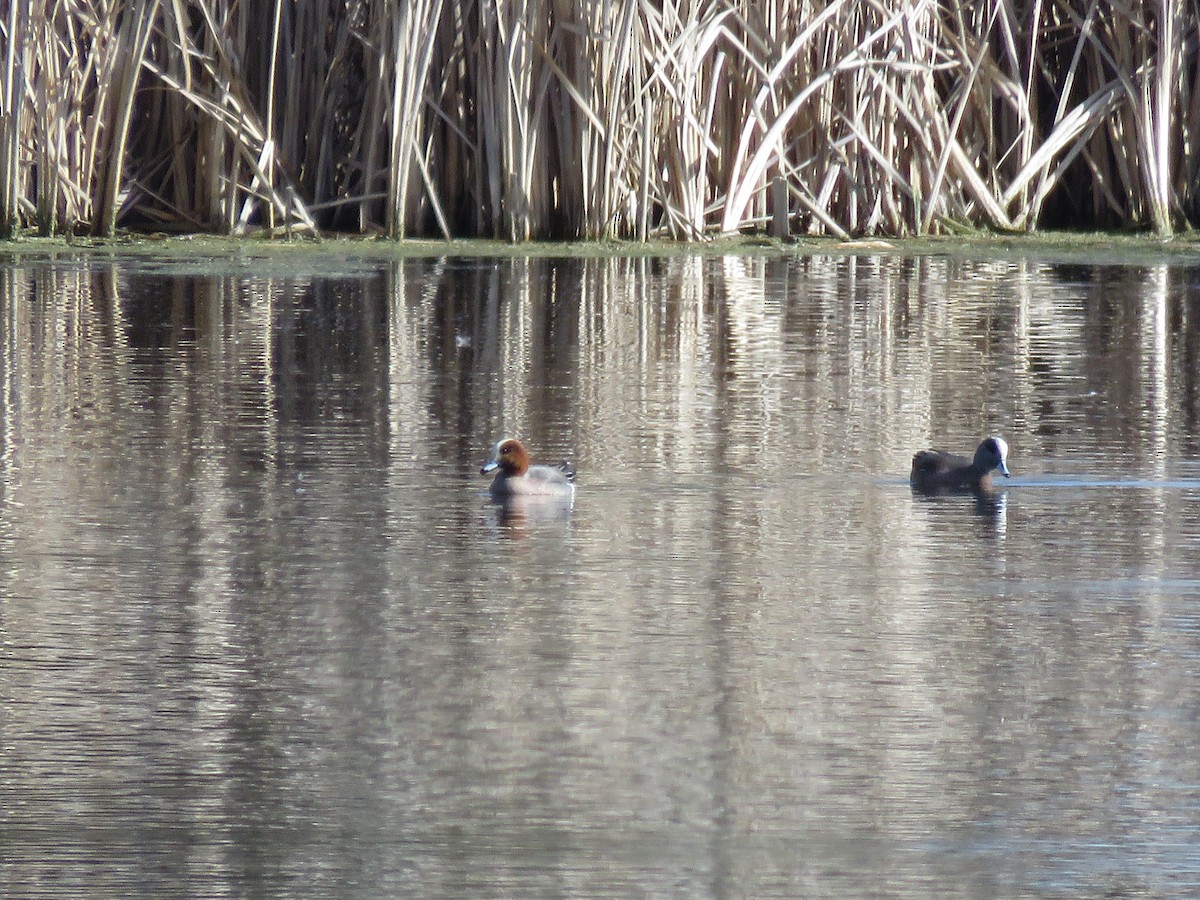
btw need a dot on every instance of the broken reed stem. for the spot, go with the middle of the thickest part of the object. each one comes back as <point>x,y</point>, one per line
<point>132,38</point>
<point>600,118</point>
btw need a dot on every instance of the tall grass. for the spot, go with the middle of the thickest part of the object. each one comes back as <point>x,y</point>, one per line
<point>518,119</point>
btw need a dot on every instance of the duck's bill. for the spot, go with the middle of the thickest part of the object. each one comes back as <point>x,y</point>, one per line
<point>1003,469</point>
<point>490,466</point>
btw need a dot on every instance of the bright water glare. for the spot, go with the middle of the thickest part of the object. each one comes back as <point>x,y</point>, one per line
<point>264,634</point>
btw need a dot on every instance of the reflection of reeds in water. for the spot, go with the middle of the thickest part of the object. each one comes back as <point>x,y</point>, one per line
<point>787,362</point>
<point>528,119</point>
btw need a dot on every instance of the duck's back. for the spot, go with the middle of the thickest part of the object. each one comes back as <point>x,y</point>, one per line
<point>936,462</point>
<point>934,470</point>
<point>537,480</point>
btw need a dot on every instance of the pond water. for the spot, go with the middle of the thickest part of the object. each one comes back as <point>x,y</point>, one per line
<point>264,633</point>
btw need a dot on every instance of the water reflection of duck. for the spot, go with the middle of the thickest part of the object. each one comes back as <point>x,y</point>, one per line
<point>992,507</point>
<point>518,515</point>
<point>934,471</point>
<point>515,477</point>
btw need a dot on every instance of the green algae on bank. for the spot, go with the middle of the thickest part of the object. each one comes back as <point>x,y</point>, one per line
<point>234,254</point>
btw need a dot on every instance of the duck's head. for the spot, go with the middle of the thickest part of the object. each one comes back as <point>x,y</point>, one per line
<point>993,454</point>
<point>509,456</point>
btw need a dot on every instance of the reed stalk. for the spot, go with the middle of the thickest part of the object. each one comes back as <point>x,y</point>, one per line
<point>131,40</point>
<point>12,95</point>
<point>413,43</point>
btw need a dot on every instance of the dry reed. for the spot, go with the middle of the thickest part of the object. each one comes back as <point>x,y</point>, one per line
<point>597,119</point>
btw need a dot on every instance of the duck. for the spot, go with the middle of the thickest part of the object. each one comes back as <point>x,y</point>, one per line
<point>933,470</point>
<point>515,477</point>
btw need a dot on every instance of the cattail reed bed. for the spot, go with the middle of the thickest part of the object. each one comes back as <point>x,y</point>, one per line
<point>597,119</point>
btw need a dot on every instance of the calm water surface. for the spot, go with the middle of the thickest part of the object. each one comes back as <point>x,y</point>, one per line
<point>264,634</point>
